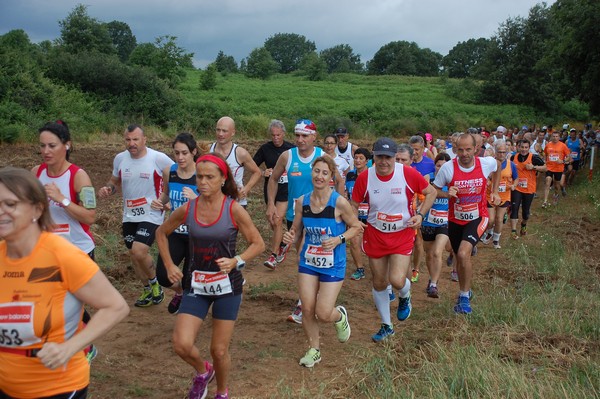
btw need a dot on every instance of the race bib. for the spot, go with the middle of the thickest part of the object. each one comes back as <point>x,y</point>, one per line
<point>283,178</point>
<point>363,210</point>
<point>182,229</point>
<point>316,256</point>
<point>575,155</point>
<point>137,207</point>
<point>522,183</point>
<point>466,212</point>
<point>502,187</point>
<point>553,157</point>
<point>210,283</point>
<point>437,217</point>
<point>16,319</point>
<point>63,230</point>
<point>389,223</point>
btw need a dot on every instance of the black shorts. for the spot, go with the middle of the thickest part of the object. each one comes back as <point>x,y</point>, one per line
<point>138,232</point>
<point>429,233</point>
<point>470,232</point>
<point>576,164</point>
<point>556,176</point>
<point>80,394</point>
<point>502,205</point>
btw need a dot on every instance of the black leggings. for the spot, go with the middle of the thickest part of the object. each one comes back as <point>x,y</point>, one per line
<point>518,199</point>
<point>81,394</point>
<point>178,248</point>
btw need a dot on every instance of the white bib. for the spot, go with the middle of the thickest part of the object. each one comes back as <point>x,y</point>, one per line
<point>210,283</point>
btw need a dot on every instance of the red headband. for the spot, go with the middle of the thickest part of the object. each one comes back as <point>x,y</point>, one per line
<point>216,160</point>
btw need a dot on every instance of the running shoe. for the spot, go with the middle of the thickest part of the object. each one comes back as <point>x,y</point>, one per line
<point>312,357</point>
<point>392,295</point>
<point>158,295</point>
<point>91,354</point>
<point>200,382</point>
<point>296,316</point>
<point>450,260</point>
<point>555,198</point>
<point>145,299</point>
<point>545,205</point>
<point>514,235</point>
<point>523,230</point>
<point>474,251</point>
<point>415,276</point>
<point>174,304</point>
<point>271,262</point>
<point>463,305</point>
<point>384,332</point>
<point>282,253</point>
<point>454,275</point>
<point>358,274</point>
<point>563,191</point>
<point>223,395</point>
<point>404,308</point>
<point>432,292</point>
<point>497,245</point>
<point>487,237</point>
<point>342,327</point>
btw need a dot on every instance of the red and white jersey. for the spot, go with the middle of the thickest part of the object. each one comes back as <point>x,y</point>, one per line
<point>65,225</point>
<point>141,182</point>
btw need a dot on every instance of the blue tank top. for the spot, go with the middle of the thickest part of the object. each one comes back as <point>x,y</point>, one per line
<point>299,178</point>
<point>438,214</point>
<point>176,185</point>
<point>211,242</point>
<point>315,224</point>
<point>574,148</point>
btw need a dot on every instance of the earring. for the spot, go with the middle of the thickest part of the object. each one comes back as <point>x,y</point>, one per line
<point>223,184</point>
<point>67,148</point>
<point>34,220</point>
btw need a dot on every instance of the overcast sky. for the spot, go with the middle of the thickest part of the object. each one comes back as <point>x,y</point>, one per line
<point>238,26</point>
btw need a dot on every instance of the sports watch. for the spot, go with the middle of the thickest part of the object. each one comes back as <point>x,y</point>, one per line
<point>65,202</point>
<point>241,263</point>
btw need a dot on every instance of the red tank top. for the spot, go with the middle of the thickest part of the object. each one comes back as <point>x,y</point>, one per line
<point>471,202</point>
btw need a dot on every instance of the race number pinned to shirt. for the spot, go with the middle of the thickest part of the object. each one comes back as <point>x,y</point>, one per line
<point>554,157</point>
<point>283,179</point>
<point>437,217</point>
<point>389,223</point>
<point>466,212</point>
<point>316,256</point>
<point>137,207</point>
<point>363,210</point>
<point>63,230</point>
<point>502,187</point>
<point>182,229</point>
<point>16,319</point>
<point>522,183</point>
<point>210,283</point>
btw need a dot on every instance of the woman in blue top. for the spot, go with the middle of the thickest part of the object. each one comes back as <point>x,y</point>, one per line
<point>323,215</point>
<point>179,187</point>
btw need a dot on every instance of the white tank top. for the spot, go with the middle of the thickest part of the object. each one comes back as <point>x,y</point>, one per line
<point>236,168</point>
<point>347,155</point>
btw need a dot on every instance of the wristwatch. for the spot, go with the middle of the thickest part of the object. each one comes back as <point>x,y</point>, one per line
<point>422,217</point>
<point>66,202</point>
<point>241,263</point>
<point>342,239</point>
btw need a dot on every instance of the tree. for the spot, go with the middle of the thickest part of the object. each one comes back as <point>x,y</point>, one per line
<point>260,64</point>
<point>164,57</point>
<point>208,79</point>
<point>288,49</point>
<point>404,58</point>
<point>464,58</point>
<point>341,58</point>
<point>313,67</point>
<point>79,32</point>
<point>225,63</point>
<point>122,38</point>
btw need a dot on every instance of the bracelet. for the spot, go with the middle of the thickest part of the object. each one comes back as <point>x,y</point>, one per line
<point>420,214</point>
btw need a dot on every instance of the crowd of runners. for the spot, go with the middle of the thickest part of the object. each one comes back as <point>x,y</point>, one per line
<point>397,205</point>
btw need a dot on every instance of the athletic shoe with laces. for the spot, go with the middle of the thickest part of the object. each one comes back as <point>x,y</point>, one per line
<point>415,276</point>
<point>145,299</point>
<point>158,295</point>
<point>497,245</point>
<point>432,292</point>
<point>296,315</point>
<point>384,332</point>
<point>174,304</point>
<point>358,274</point>
<point>342,326</point>
<point>312,357</point>
<point>514,235</point>
<point>222,395</point>
<point>487,237</point>
<point>454,275</point>
<point>282,253</point>
<point>91,354</point>
<point>271,262</point>
<point>404,308</point>
<point>545,205</point>
<point>523,230</point>
<point>449,260</point>
<point>463,305</point>
<point>392,295</point>
<point>200,382</point>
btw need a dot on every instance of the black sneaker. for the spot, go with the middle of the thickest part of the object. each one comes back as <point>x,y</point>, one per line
<point>174,304</point>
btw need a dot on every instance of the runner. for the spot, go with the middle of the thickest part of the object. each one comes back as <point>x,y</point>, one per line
<point>214,277</point>
<point>557,156</point>
<point>179,187</point>
<point>528,165</point>
<point>361,158</point>
<point>508,180</point>
<point>268,154</point>
<point>330,146</point>
<point>297,163</point>
<point>344,148</point>
<point>44,283</point>
<point>237,158</point>
<point>71,196</point>
<point>466,178</point>
<point>138,171</point>
<point>577,148</point>
<point>324,221</point>
<point>388,240</point>
<point>430,149</point>
<point>434,230</point>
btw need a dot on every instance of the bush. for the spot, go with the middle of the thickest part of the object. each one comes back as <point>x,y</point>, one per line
<point>10,133</point>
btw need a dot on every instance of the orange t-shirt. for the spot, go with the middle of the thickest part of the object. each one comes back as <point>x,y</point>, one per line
<point>506,181</point>
<point>37,305</point>
<point>556,152</point>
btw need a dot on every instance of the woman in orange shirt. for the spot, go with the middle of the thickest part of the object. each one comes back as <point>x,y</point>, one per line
<point>44,282</point>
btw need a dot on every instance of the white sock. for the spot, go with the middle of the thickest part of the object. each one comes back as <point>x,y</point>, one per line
<point>464,293</point>
<point>497,236</point>
<point>432,284</point>
<point>405,291</point>
<point>382,303</point>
